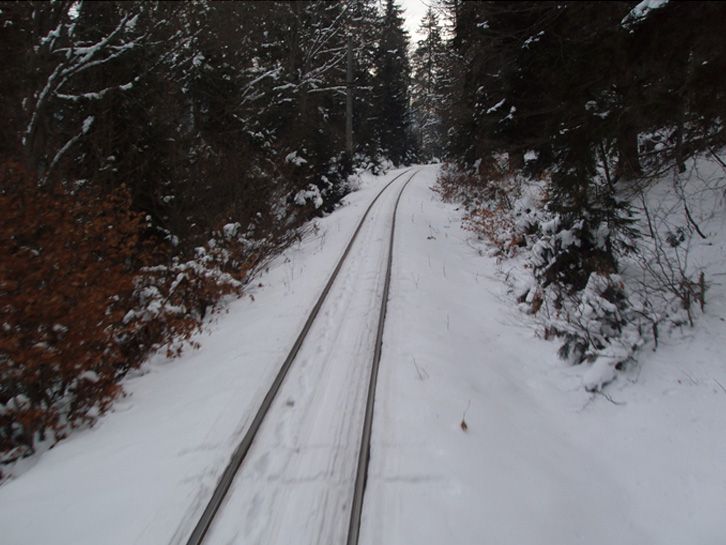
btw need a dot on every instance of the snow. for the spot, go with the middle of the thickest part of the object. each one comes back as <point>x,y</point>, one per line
<point>311,194</point>
<point>60,328</point>
<point>541,460</point>
<point>538,461</point>
<point>510,115</point>
<point>496,106</point>
<point>198,60</point>
<point>230,230</point>
<point>131,23</point>
<point>90,376</point>
<point>295,159</point>
<point>641,10</point>
<point>87,123</point>
<point>533,39</point>
<point>147,467</point>
<point>567,238</point>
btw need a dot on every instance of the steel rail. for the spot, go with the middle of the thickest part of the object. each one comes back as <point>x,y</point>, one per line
<point>238,456</point>
<point>364,453</point>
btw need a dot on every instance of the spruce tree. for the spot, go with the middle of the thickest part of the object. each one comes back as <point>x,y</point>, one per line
<point>428,87</point>
<point>392,81</point>
<point>365,26</point>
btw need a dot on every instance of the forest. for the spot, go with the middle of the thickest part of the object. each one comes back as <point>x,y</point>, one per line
<point>156,155</point>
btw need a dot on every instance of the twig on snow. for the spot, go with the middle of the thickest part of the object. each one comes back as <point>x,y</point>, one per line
<point>463,424</point>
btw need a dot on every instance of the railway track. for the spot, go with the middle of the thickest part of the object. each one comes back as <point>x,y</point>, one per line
<point>197,537</point>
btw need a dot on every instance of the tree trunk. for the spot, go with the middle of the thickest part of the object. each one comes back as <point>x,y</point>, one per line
<point>679,153</point>
<point>628,159</point>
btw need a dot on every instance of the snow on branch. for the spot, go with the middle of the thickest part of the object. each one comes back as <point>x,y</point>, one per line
<point>87,123</point>
<point>641,11</point>
<point>97,95</point>
<point>327,34</point>
<point>249,94</point>
<point>69,58</point>
<point>341,88</point>
<point>316,73</point>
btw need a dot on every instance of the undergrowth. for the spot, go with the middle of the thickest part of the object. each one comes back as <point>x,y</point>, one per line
<point>88,291</point>
<point>605,283</point>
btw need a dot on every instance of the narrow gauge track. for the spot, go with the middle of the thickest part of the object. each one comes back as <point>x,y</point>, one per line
<point>238,456</point>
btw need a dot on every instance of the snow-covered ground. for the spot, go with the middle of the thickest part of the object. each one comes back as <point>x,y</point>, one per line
<point>542,461</point>
<point>538,461</point>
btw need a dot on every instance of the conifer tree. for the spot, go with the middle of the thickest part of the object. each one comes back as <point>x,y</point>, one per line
<point>428,87</point>
<point>583,89</point>
<point>393,75</point>
<point>365,27</point>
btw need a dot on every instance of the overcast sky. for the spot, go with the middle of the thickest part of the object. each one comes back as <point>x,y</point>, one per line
<point>414,11</point>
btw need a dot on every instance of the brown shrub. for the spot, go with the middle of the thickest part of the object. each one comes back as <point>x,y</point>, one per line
<point>455,183</point>
<point>170,301</point>
<point>67,265</point>
<point>87,292</point>
<point>495,225</point>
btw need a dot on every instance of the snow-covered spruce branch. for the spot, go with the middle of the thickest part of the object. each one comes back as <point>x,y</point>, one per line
<point>339,88</point>
<point>325,37</point>
<point>88,52</point>
<point>249,88</point>
<point>339,49</point>
<point>97,95</point>
<point>75,70</point>
<point>27,138</point>
<point>320,71</point>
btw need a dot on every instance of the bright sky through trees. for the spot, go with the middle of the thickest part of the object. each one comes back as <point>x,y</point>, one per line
<point>414,11</point>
